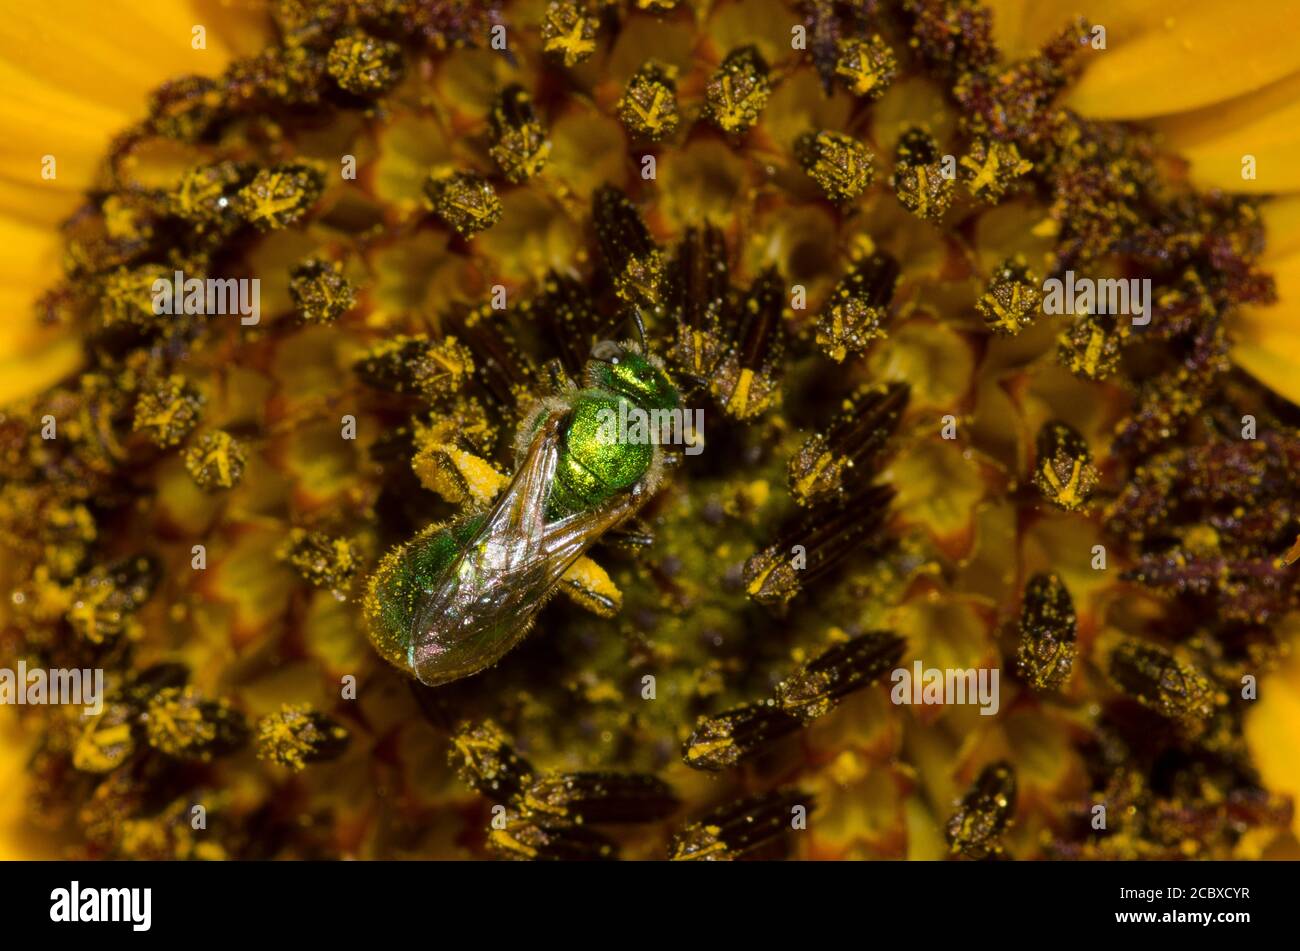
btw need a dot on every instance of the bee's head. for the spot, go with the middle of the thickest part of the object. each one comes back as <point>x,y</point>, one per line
<point>624,369</point>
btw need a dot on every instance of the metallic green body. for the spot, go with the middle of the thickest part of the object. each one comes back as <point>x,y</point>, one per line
<point>397,592</point>
<point>592,468</point>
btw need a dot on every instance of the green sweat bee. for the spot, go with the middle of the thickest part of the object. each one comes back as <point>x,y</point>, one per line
<point>456,598</point>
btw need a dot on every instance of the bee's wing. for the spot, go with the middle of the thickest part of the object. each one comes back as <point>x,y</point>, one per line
<point>520,513</point>
<point>463,622</point>
<point>566,540</point>
<point>483,603</point>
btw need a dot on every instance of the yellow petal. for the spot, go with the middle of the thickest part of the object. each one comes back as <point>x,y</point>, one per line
<point>31,357</point>
<point>79,71</point>
<point>1272,730</point>
<point>75,74</point>
<point>1234,88</point>
<point>1022,27</point>
<point>1198,54</point>
<point>1267,339</point>
<point>1281,231</point>
<point>1264,124</point>
<point>17,838</point>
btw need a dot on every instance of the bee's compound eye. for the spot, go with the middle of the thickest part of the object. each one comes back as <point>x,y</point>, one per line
<point>607,351</point>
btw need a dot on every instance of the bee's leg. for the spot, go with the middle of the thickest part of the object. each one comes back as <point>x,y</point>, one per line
<point>555,379</point>
<point>632,536</point>
<point>589,586</point>
<point>457,474</point>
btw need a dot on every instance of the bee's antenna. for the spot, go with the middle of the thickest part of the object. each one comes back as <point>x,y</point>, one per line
<point>640,328</point>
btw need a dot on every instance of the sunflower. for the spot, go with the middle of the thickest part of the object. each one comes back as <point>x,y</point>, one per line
<point>837,219</point>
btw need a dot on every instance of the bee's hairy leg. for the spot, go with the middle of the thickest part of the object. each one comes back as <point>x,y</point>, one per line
<point>589,586</point>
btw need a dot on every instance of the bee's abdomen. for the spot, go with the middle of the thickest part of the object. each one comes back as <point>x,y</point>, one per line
<point>592,465</point>
<point>402,578</point>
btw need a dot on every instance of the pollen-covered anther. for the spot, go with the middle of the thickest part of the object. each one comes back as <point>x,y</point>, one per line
<point>747,382</point>
<point>771,577</point>
<point>1011,299</point>
<point>994,167</point>
<point>919,180</point>
<point>363,64</point>
<point>293,75</point>
<point>445,466</point>
<point>1158,680</point>
<point>216,461</point>
<point>443,368</point>
<point>168,411</point>
<point>103,600</point>
<point>858,307</point>
<point>94,613</point>
<point>865,67</point>
<point>56,535</point>
<point>815,688</point>
<point>319,290</point>
<point>597,797</point>
<point>1064,472</point>
<point>565,309</point>
<point>280,196</point>
<point>185,109</point>
<point>1048,629</point>
<point>737,93</point>
<point>635,262</point>
<point>648,107</point>
<point>815,470</point>
<point>127,221</point>
<point>485,760</point>
<point>818,540</point>
<point>838,163</point>
<point>205,195</point>
<point>181,722</point>
<point>297,735</point>
<point>465,201</point>
<point>415,364</point>
<point>519,143</point>
<point>1016,100</point>
<point>127,295</point>
<point>321,560</point>
<point>755,827</point>
<point>107,741</point>
<point>975,829</point>
<point>725,739</point>
<point>522,836</point>
<point>698,287</point>
<point>471,422</point>
<point>569,32</point>
<point>827,461</point>
<point>309,22</point>
<point>1090,349</point>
